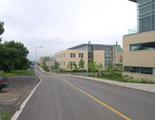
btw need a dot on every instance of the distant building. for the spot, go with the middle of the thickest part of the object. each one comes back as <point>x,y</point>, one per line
<point>68,58</point>
<point>49,63</point>
<point>43,59</point>
<point>105,55</point>
<point>139,48</point>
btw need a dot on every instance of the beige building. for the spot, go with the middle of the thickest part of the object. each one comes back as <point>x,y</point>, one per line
<point>139,55</point>
<point>139,48</point>
<point>50,62</point>
<point>104,55</point>
<point>72,57</point>
<point>68,57</point>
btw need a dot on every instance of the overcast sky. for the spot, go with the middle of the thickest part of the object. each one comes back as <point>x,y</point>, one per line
<point>59,24</point>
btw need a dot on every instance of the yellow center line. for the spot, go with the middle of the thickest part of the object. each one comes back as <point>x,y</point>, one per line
<point>98,101</point>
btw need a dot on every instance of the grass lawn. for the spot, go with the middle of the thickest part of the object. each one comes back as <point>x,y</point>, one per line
<point>5,116</point>
<point>19,73</point>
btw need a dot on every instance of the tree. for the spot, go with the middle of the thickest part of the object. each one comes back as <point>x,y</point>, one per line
<point>1,28</point>
<point>100,66</point>
<point>81,64</point>
<point>72,65</point>
<point>44,66</point>
<point>56,66</point>
<point>7,58</point>
<point>93,67</point>
<point>13,55</point>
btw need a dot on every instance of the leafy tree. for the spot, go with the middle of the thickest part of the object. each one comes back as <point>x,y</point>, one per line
<point>93,67</point>
<point>13,55</point>
<point>72,65</point>
<point>44,66</point>
<point>100,66</point>
<point>7,58</point>
<point>1,28</point>
<point>56,66</point>
<point>81,64</point>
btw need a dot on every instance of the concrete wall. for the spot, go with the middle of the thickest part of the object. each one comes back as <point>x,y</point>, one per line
<point>64,58</point>
<point>142,58</point>
<point>154,71</point>
<point>140,76</point>
<point>118,58</point>
<point>99,57</point>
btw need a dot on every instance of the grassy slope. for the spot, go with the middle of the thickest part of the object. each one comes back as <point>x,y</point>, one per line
<point>19,73</point>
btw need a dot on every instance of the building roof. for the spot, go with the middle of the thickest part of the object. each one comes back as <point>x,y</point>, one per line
<point>81,45</point>
<point>118,48</point>
<point>133,0</point>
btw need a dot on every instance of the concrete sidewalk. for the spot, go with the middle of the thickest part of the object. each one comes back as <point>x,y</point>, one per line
<point>138,86</point>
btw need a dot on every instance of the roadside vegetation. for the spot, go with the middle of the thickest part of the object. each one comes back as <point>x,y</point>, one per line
<point>117,75</point>
<point>13,55</point>
<point>18,73</point>
<point>96,70</point>
<point>43,65</point>
<point>13,62</point>
<point>5,115</point>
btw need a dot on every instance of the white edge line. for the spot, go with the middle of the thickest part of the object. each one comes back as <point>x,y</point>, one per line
<point>40,68</point>
<point>16,115</point>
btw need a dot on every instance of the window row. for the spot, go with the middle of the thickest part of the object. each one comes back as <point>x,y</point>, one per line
<point>142,46</point>
<point>73,55</point>
<point>60,55</point>
<point>144,70</point>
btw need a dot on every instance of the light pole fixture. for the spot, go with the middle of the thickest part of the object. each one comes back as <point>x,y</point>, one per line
<point>36,53</point>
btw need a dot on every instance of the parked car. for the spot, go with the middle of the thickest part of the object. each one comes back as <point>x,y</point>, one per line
<point>3,82</point>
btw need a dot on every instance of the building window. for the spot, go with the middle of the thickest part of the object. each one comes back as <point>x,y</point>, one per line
<point>72,55</point>
<point>144,70</point>
<point>80,55</point>
<point>108,55</point>
<point>90,57</point>
<point>142,46</point>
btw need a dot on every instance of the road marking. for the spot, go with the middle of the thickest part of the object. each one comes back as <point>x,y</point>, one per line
<point>40,68</point>
<point>98,101</point>
<point>16,115</point>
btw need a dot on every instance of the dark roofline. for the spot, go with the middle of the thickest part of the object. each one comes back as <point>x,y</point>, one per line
<point>77,46</point>
<point>133,0</point>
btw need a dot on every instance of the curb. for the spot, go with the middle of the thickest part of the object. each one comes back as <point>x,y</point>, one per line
<point>16,115</point>
<point>116,84</point>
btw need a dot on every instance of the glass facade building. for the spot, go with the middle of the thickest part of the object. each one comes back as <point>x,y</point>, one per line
<point>146,15</point>
<point>108,49</point>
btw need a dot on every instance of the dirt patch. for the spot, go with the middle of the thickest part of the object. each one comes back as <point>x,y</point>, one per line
<point>19,88</point>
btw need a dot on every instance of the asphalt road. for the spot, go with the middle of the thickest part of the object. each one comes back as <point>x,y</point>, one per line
<point>68,98</point>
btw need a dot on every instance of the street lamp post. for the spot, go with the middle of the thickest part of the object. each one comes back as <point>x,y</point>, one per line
<point>36,53</point>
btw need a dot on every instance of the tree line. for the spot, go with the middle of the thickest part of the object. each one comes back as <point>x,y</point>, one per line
<point>13,55</point>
